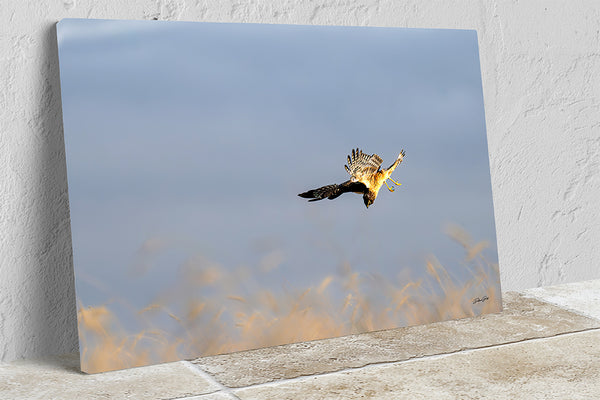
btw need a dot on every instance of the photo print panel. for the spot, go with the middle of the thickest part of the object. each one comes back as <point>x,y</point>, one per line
<point>238,186</point>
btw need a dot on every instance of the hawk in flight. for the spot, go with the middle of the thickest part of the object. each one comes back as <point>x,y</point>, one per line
<point>366,177</point>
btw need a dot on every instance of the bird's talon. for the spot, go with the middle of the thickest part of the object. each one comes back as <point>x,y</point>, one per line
<point>395,181</point>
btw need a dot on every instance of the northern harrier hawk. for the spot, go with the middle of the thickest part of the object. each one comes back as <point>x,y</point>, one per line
<point>366,177</point>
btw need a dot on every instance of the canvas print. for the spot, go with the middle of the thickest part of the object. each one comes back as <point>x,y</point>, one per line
<point>238,186</point>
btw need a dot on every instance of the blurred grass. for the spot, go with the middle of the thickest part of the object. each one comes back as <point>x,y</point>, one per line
<point>339,305</point>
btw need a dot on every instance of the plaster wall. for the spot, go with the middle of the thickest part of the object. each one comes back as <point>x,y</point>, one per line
<point>541,78</point>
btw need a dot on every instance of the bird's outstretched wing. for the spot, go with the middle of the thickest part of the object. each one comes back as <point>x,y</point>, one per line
<point>333,191</point>
<point>361,165</point>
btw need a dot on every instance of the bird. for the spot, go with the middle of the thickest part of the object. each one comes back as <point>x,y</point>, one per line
<point>366,178</point>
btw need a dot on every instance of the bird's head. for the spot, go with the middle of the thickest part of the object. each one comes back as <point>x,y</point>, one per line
<point>369,198</point>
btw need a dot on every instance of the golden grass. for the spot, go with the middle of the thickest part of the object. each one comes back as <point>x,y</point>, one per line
<point>231,322</point>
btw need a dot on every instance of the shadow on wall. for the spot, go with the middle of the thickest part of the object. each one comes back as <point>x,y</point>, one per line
<point>49,323</point>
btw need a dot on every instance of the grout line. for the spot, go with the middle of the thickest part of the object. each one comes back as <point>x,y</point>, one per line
<point>205,396</point>
<point>199,371</point>
<point>410,360</point>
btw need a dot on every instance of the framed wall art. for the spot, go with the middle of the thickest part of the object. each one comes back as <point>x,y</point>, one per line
<point>237,186</point>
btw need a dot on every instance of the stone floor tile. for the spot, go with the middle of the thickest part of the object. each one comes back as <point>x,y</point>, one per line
<point>60,378</point>
<point>562,367</point>
<point>581,297</point>
<point>522,318</point>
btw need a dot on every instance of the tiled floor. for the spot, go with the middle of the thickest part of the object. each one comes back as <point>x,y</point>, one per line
<point>545,344</point>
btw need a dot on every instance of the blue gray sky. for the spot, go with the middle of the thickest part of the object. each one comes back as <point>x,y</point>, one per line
<point>189,140</point>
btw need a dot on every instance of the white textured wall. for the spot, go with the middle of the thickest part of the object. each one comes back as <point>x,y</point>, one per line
<point>541,78</point>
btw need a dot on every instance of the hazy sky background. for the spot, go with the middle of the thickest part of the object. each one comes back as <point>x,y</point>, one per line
<point>194,139</point>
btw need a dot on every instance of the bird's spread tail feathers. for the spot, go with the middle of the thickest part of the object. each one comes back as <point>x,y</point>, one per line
<point>361,164</point>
